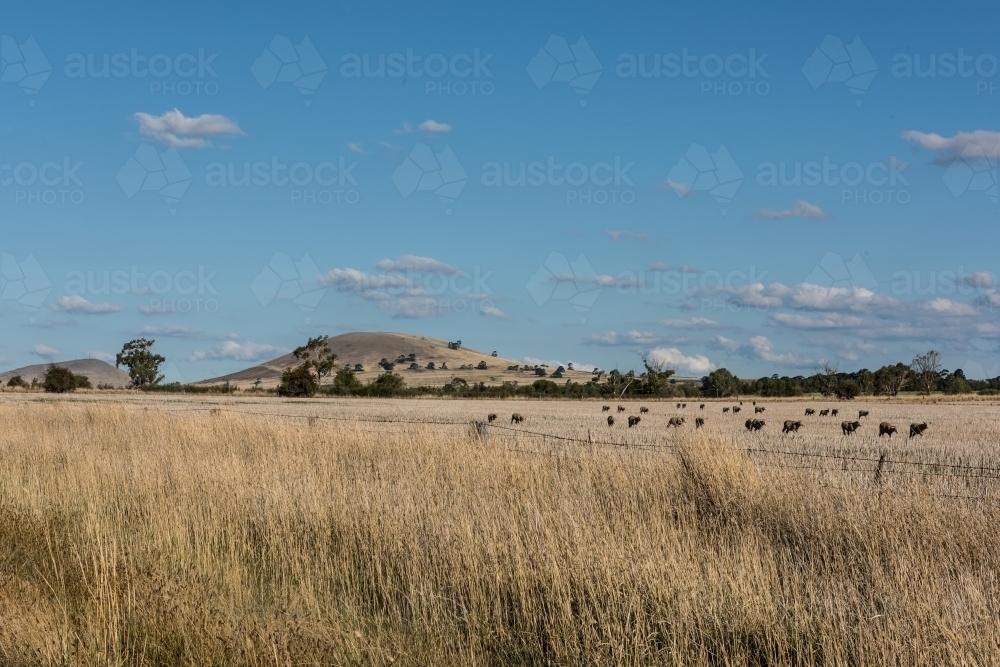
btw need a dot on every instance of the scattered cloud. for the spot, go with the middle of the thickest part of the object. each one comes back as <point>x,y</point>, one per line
<point>553,364</point>
<point>679,268</point>
<point>824,321</point>
<point>969,145</point>
<point>673,358</point>
<point>355,147</point>
<point>800,209</point>
<point>175,129</point>
<point>633,337</point>
<point>690,323</point>
<point>236,351</point>
<point>628,236</point>
<point>416,263</point>
<point>947,307</point>
<point>431,125</point>
<point>176,331</point>
<point>45,352</point>
<point>496,313</point>
<point>979,280</point>
<point>77,305</point>
<point>679,188</point>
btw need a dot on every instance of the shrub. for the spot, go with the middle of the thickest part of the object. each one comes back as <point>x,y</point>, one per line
<point>17,381</point>
<point>298,382</point>
<point>82,382</point>
<point>58,379</point>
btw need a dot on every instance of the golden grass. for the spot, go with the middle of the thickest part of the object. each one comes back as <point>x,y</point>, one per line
<point>130,536</point>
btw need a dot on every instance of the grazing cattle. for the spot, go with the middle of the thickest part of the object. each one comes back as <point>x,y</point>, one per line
<point>516,418</point>
<point>675,421</point>
<point>885,428</point>
<point>810,411</point>
<point>632,421</point>
<point>491,417</point>
<point>791,426</point>
<point>917,429</point>
<point>833,412</point>
<point>684,405</point>
<point>725,409</point>
<point>699,422</point>
<point>849,427</point>
<point>757,411</point>
<point>736,409</point>
<point>701,407</point>
<point>678,406</point>
<point>754,424</point>
<point>605,408</point>
<point>611,420</point>
<point>643,410</point>
<point>862,413</point>
<point>824,413</point>
<point>621,408</point>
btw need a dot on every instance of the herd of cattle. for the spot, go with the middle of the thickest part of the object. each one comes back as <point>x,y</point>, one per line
<point>753,424</point>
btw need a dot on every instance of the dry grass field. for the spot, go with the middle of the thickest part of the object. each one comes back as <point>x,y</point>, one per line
<point>154,530</point>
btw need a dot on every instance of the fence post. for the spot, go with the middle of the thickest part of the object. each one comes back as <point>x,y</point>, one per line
<point>878,468</point>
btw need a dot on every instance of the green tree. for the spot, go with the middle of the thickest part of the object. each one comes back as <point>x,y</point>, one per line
<point>387,384</point>
<point>298,382</point>
<point>82,382</point>
<point>58,379</point>
<point>719,383</point>
<point>142,364</point>
<point>890,380</point>
<point>656,379</point>
<point>17,381</point>
<point>346,381</point>
<point>847,390</point>
<point>927,370</point>
<point>317,355</point>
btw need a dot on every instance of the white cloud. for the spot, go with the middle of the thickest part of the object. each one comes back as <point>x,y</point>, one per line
<point>800,209</point>
<point>673,358</point>
<point>175,129</point>
<point>355,147</point>
<point>969,145</point>
<point>632,337</point>
<point>942,306</point>
<point>103,356</point>
<point>824,321</point>
<point>495,313</point>
<point>979,280</point>
<point>356,281</point>
<point>77,305</point>
<point>416,263</point>
<point>176,331</point>
<point>630,236</point>
<point>681,189</point>
<point>235,351</point>
<point>430,125</point>
<point>762,348</point>
<point>679,268</point>
<point>690,323</point>
<point>723,343</point>
<point>44,351</point>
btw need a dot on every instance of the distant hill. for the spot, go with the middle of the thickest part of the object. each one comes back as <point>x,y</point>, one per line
<point>368,348</point>
<point>97,371</point>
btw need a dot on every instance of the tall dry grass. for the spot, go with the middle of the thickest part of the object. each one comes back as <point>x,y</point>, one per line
<point>133,537</point>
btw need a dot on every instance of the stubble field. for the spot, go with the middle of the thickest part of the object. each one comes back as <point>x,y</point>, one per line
<point>169,530</point>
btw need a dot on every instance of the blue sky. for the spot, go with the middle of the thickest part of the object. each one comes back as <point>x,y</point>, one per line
<point>709,184</point>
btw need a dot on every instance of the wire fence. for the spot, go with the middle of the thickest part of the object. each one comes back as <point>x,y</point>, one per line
<point>848,463</point>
